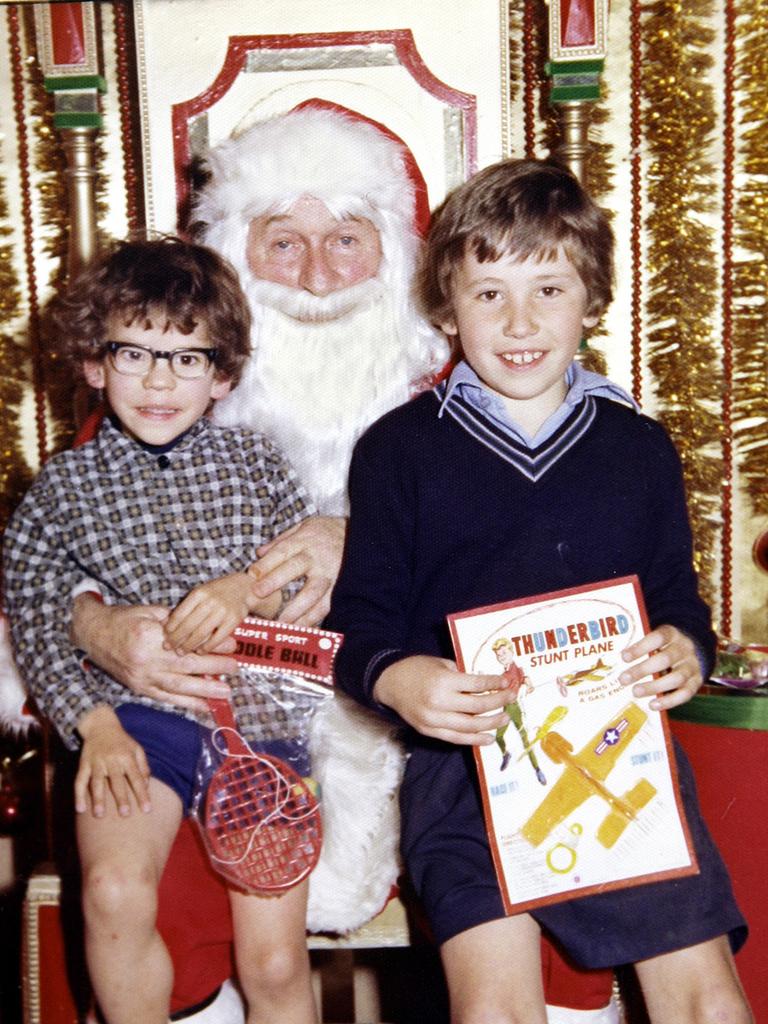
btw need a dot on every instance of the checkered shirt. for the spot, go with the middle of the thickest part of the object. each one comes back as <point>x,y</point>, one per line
<point>147,529</point>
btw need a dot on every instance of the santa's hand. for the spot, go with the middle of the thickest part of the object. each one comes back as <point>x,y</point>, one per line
<point>127,641</point>
<point>312,549</point>
<point>110,760</point>
<point>438,700</point>
<point>671,653</point>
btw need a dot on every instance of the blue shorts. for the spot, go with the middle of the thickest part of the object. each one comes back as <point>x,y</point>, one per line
<point>172,745</point>
<point>447,855</point>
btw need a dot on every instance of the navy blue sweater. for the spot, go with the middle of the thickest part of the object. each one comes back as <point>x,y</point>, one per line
<point>440,523</point>
<point>448,513</point>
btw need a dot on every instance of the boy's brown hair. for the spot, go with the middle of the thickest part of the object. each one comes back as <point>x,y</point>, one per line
<point>165,279</point>
<point>518,208</point>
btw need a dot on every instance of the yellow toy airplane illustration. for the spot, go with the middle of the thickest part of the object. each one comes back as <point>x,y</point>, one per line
<point>596,674</point>
<point>584,776</point>
<point>557,714</point>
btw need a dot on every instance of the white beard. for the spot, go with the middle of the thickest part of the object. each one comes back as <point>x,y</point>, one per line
<point>322,370</point>
<point>314,385</point>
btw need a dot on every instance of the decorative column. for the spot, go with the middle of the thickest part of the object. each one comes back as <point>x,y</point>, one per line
<point>578,39</point>
<point>66,36</point>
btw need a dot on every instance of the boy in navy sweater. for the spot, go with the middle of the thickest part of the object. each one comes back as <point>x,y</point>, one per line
<point>519,475</point>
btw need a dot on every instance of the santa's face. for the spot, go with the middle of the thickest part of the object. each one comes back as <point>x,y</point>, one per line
<point>307,248</point>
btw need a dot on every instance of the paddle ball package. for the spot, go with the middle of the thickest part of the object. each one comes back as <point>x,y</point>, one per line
<point>255,800</point>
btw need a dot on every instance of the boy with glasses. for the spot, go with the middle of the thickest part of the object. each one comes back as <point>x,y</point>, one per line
<point>162,508</point>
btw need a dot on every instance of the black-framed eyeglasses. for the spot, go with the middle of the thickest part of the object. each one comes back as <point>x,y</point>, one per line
<point>138,360</point>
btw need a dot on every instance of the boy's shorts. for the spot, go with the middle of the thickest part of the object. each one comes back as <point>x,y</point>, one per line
<point>171,743</point>
<point>447,856</point>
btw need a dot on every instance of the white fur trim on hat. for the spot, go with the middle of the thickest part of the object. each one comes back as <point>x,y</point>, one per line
<point>347,163</point>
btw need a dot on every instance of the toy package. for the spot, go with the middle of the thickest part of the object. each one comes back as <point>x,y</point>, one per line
<point>579,790</point>
<point>255,802</point>
<point>741,666</point>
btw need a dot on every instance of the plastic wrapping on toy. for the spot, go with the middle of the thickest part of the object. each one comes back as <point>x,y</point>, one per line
<point>741,666</point>
<point>255,762</point>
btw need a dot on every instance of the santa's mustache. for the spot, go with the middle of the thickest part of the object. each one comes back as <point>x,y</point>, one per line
<point>308,308</point>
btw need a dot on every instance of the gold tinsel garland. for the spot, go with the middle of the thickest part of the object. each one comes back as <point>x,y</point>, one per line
<point>29,352</point>
<point>599,173</point>
<point>50,166</point>
<point>14,473</point>
<point>750,278</point>
<point>679,119</point>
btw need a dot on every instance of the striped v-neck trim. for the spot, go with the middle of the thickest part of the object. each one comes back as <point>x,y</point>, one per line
<point>533,463</point>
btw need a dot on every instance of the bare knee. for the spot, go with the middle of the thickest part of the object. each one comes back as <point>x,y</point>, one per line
<point>494,973</point>
<point>114,894</point>
<point>705,1007</point>
<point>720,1005</point>
<point>267,972</point>
<point>489,1006</point>
<point>696,985</point>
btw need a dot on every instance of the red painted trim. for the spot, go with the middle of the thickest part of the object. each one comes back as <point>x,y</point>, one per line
<point>577,23</point>
<point>68,47</point>
<point>234,60</point>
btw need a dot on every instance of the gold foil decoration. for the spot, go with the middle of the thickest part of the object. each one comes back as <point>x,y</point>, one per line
<point>50,184</point>
<point>679,120</point>
<point>14,473</point>
<point>750,277</point>
<point>599,168</point>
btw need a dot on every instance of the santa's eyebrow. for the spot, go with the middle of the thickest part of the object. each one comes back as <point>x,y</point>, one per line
<point>277,218</point>
<point>282,218</point>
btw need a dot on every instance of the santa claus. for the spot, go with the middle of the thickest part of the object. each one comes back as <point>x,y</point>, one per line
<point>317,211</point>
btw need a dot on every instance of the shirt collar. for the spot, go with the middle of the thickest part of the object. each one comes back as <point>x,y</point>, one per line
<point>580,382</point>
<point>583,382</point>
<point>117,447</point>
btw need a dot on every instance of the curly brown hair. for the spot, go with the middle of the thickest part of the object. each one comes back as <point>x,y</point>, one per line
<point>519,208</point>
<point>155,280</point>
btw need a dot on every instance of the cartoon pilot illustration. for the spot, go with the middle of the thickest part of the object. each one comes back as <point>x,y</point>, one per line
<point>514,680</point>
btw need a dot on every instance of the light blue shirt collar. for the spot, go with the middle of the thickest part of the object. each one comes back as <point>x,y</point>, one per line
<point>464,382</point>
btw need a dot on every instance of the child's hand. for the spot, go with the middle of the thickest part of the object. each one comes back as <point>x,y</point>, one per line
<point>672,653</point>
<point>208,614</point>
<point>438,700</point>
<point>110,758</point>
